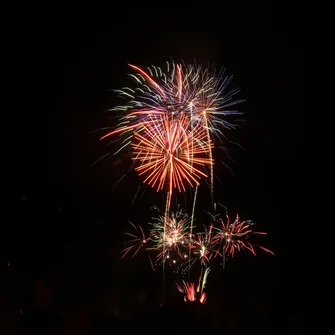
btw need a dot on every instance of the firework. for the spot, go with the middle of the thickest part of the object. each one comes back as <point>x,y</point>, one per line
<point>170,155</point>
<point>168,119</point>
<point>232,237</point>
<point>202,246</point>
<point>192,91</point>
<point>224,239</point>
<point>192,292</point>
<point>170,237</point>
<point>136,241</point>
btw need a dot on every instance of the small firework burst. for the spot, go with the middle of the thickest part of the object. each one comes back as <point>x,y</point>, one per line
<point>193,292</point>
<point>232,237</point>
<point>136,241</point>
<point>170,237</point>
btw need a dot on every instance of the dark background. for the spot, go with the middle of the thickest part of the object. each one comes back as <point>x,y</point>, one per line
<point>66,223</point>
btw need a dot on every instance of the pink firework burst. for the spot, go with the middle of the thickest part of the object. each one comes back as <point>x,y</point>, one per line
<point>233,237</point>
<point>136,240</point>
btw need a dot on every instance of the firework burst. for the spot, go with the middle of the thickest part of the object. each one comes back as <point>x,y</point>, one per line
<point>202,246</point>
<point>171,155</point>
<point>170,237</point>
<point>232,237</point>
<point>193,292</point>
<point>137,240</point>
<point>196,92</point>
<point>171,241</point>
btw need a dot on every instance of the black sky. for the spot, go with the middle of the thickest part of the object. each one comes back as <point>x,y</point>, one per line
<point>80,54</point>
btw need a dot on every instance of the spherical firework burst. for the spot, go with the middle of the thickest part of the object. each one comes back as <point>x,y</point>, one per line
<point>170,155</point>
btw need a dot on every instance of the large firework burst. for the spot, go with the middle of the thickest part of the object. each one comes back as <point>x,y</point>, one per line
<point>171,155</point>
<point>196,92</point>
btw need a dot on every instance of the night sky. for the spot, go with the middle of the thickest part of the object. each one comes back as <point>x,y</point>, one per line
<point>67,217</point>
